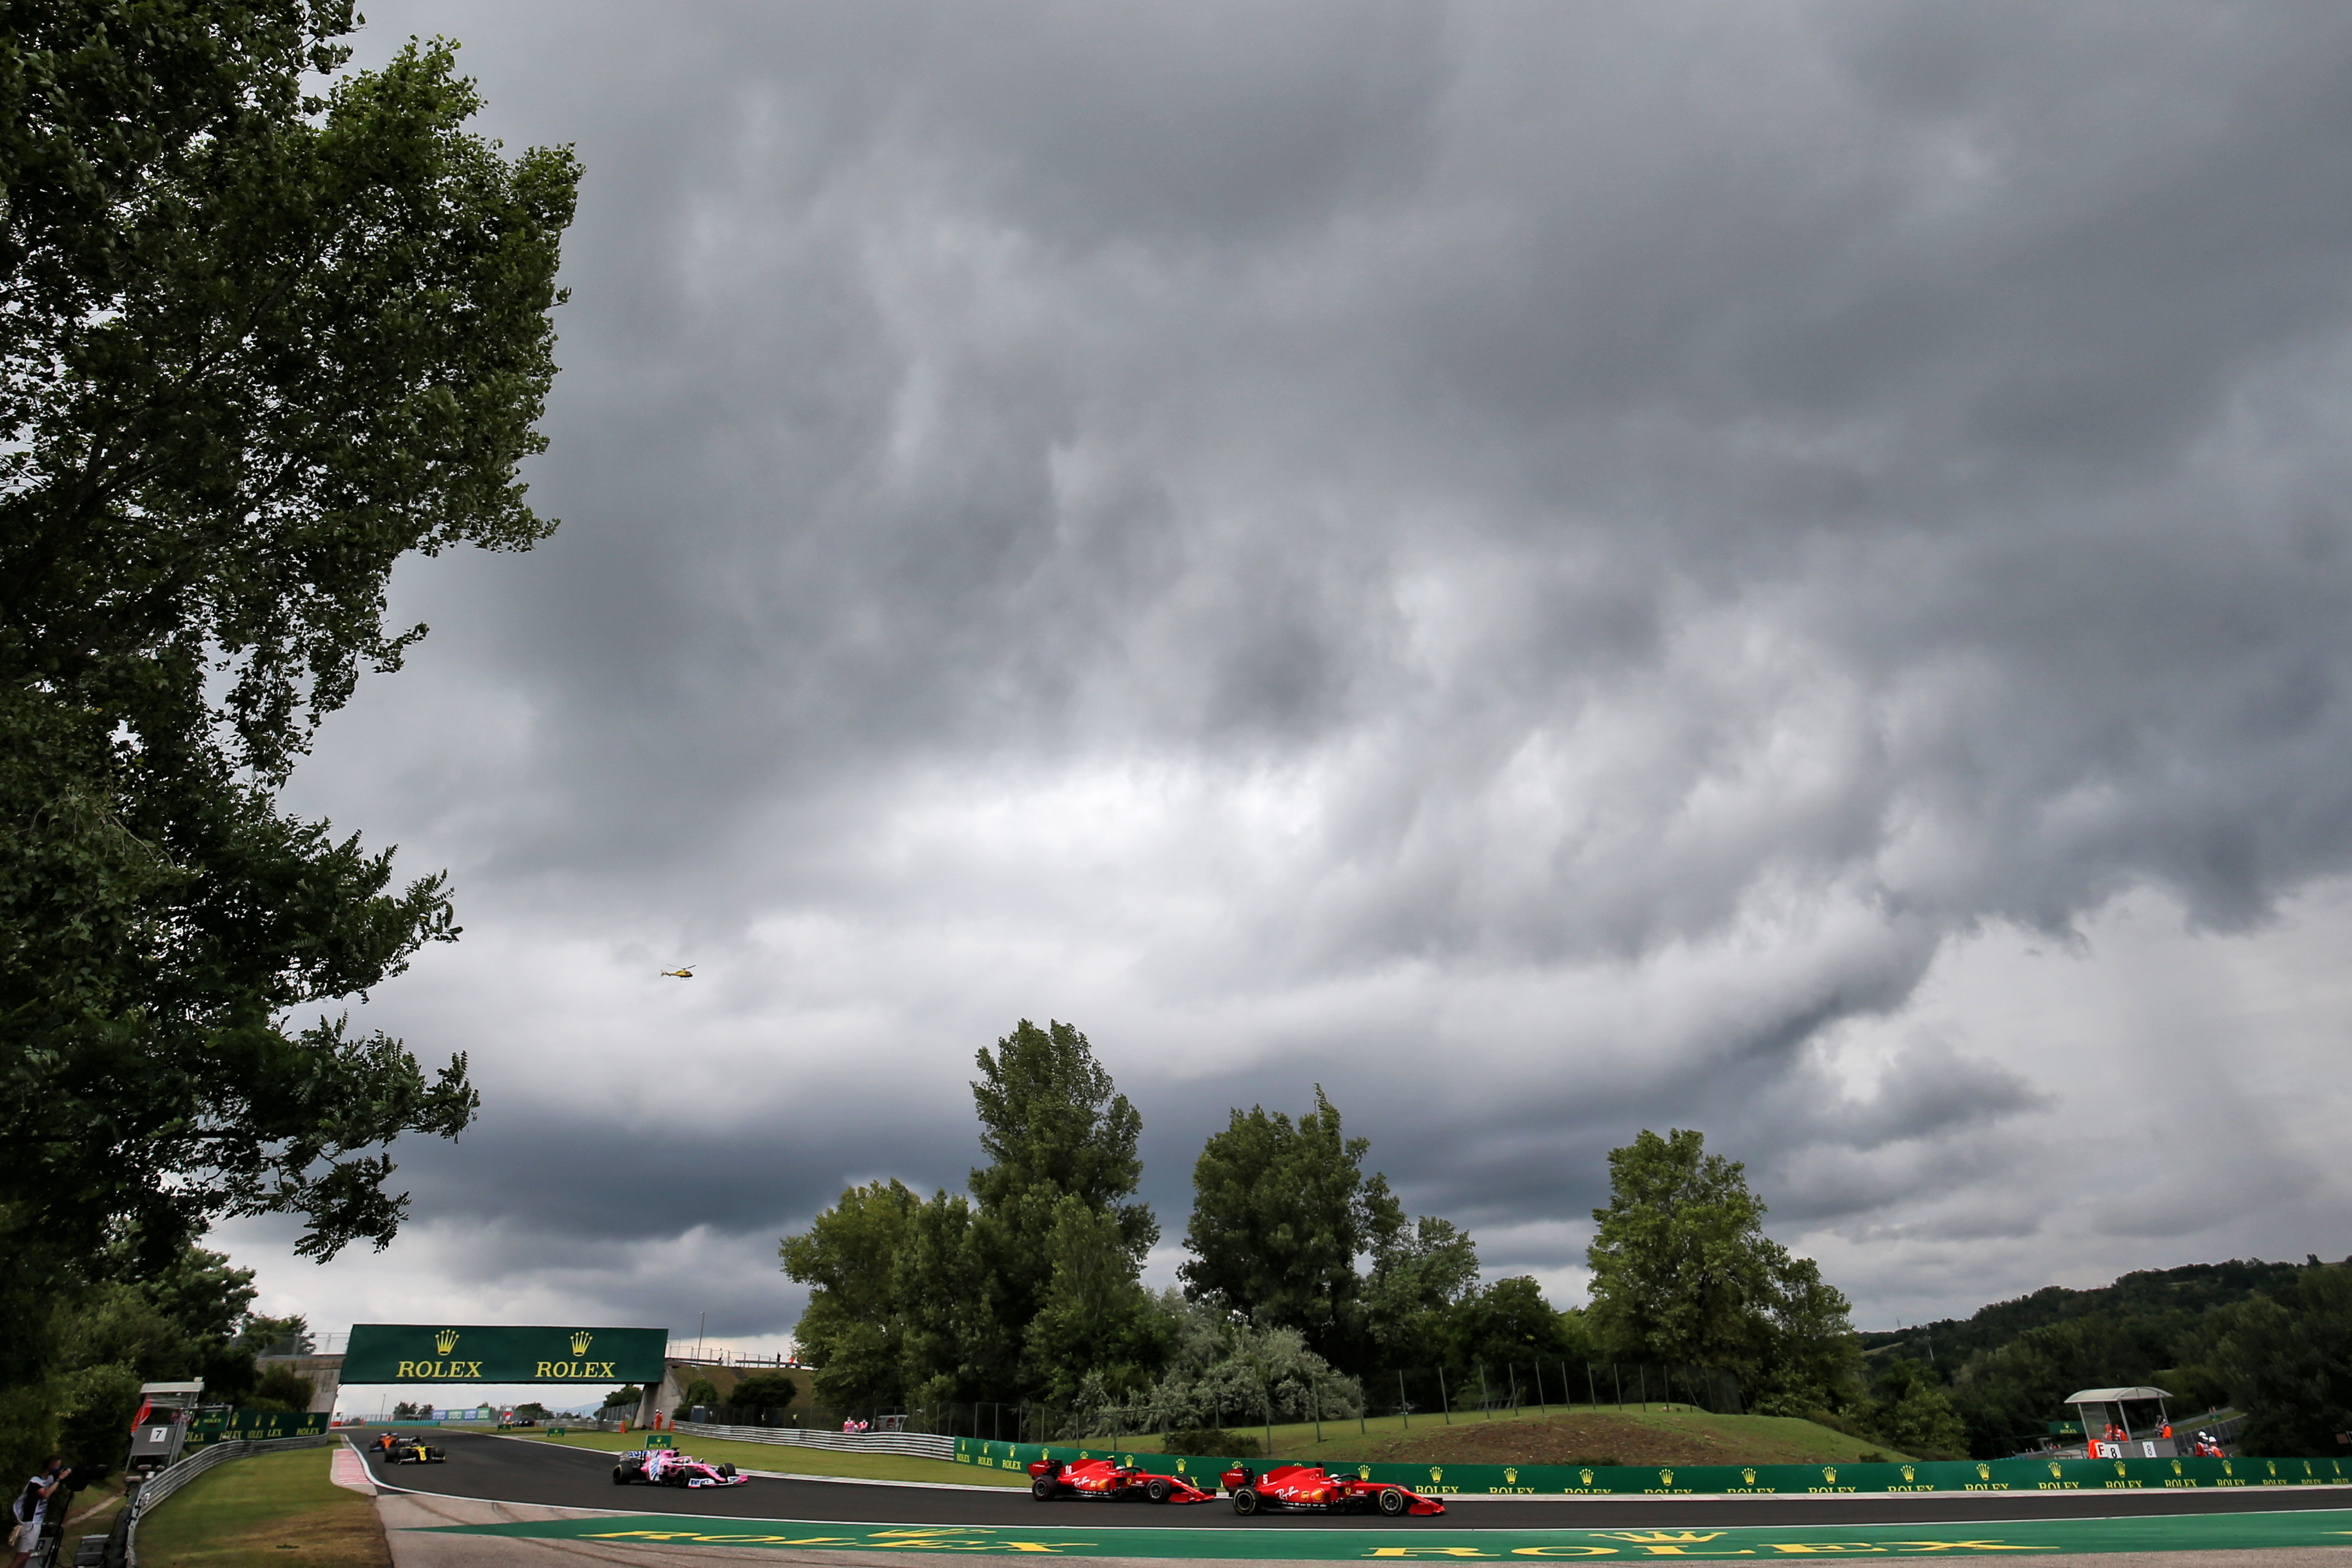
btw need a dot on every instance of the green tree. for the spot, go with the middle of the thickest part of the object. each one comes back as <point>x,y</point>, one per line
<point>1420,1275</point>
<point>262,342</point>
<point>853,1331</point>
<point>1507,1324</point>
<point>764,1391</point>
<point>628,1396</point>
<point>1910,1411</point>
<point>1281,1210</point>
<point>1683,1272</point>
<point>1024,1289</point>
<point>2288,1362</point>
<point>282,1388</point>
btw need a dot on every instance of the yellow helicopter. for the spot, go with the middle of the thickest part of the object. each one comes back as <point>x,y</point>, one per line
<point>684,972</point>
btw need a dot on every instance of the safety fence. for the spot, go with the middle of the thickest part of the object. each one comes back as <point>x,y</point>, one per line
<point>180,1472</point>
<point>1732,1480</point>
<point>919,1445</point>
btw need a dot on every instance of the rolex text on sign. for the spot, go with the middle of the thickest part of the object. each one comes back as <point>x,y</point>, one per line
<point>463,1353</point>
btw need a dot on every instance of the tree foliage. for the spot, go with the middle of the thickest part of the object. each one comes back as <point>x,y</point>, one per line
<point>1024,1290</point>
<point>1281,1211</point>
<point>265,336</point>
<point>1682,1271</point>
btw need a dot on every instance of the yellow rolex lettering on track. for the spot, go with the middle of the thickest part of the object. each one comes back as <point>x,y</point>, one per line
<point>1493,1539</point>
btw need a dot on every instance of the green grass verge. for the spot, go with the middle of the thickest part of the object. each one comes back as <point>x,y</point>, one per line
<point>1662,1435</point>
<point>276,1508</point>
<point>796,1459</point>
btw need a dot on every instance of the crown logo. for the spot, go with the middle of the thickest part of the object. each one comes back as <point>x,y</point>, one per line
<point>1435,1474</point>
<point>1828,1473</point>
<point>1747,1476</point>
<point>1909,1472</point>
<point>1585,1477</point>
<point>1984,1472</point>
<point>1363,1472</point>
<point>2176,1467</point>
<point>1661,1537</point>
<point>2054,1470</point>
<point>1665,1478</point>
<point>446,1341</point>
<point>1510,1478</point>
<point>2273,1468</point>
<point>2119,1467</point>
<point>581,1341</point>
<point>2226,1468</point>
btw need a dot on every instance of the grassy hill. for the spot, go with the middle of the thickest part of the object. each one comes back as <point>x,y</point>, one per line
<point>1665,1437</point>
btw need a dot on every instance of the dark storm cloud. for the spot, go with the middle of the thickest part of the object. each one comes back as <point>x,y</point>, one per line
<point>1543,568</point>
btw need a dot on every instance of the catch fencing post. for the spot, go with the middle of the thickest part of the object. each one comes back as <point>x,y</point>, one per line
<point>1513,1373</point>
<point>1404,1405</point>
<point>1642,1372</point>
<point>1486,1400</point>
<point>1617,1377</point>
<point>1445,1400</point>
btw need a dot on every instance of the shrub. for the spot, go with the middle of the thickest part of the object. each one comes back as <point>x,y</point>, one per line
<point>1212,1442</point>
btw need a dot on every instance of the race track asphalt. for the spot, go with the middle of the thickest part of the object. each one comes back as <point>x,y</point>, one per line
<point>503,1470</point>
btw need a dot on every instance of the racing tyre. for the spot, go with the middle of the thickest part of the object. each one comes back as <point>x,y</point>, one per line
<point>1245,1500</point>
<point>1041,1489</point>
<point>727,1470</point>
<point>1393,1501</point>
<point>620,1476</point>
<point>1156,1489</point>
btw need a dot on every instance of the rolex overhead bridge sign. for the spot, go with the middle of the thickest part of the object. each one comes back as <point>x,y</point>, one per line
<point>443,1352</point>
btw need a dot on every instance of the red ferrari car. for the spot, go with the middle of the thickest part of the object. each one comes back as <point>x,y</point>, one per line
<point>1107,1482</point>
<point>1311,1488</point>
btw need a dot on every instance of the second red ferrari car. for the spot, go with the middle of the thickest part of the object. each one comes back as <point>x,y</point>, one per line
<point>1107,1482</point>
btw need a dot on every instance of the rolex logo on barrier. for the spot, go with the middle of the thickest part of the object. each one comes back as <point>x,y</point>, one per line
<point>1584,1476</point>
<point>446,1341</point>
<point>2119,1467</point>
<point>1510,1478</point>
<point>1363,1472</point>
<point>2054,1470</point>
<point>2176,1467</point>
<point>1436,1474</point>
<point>581,1341</point>
<point>1909,1472</point>
<point>1984,1472</point>
<point>1829,1474</point>
<point>1747,1477</point>
<point>1661,1537</point>
<point>1665,1478</point>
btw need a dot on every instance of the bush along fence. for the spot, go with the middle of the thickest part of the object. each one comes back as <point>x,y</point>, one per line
<point>1438,1395</point>
<point>1728,1480</point>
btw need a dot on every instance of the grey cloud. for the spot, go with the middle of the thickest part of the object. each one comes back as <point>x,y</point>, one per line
<point>1535,564</point>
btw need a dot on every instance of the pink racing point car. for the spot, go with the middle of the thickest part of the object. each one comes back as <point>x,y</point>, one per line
<point>1311,1488</point>
<point>664,1469</point>
<point>1104,1481</point>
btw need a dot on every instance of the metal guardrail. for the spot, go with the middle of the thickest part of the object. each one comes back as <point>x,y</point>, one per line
<point>918,1445</point>
<point>180,1472</point>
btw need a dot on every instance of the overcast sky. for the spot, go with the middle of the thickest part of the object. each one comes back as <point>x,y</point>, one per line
<point>1555,569</point>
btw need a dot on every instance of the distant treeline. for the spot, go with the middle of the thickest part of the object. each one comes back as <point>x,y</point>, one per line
<point>2273,1339</point>
<point>1303,1278</point>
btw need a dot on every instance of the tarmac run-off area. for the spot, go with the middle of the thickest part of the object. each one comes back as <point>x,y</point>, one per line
<point>527,1503</point>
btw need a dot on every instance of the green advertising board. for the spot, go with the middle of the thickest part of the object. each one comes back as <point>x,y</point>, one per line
<point>1730,1480</point>
<point>437,1353</point>
<point>252,1425</point>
